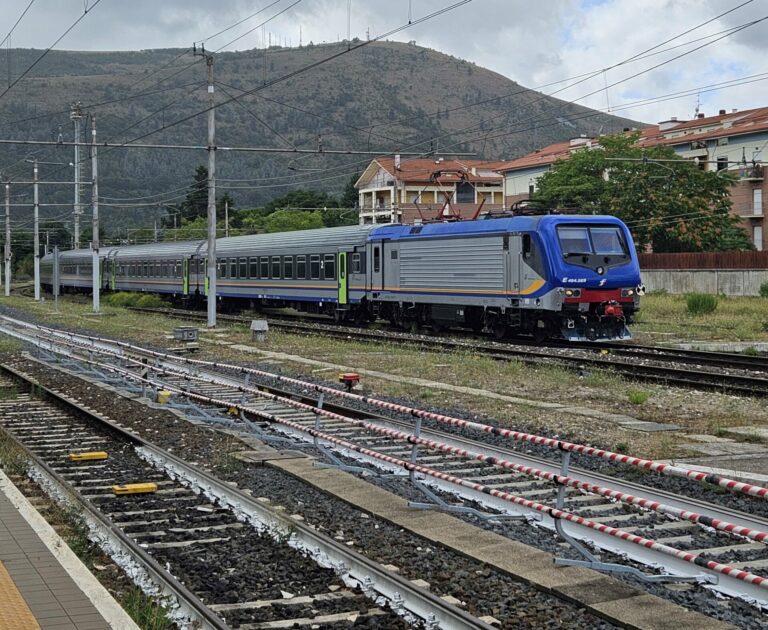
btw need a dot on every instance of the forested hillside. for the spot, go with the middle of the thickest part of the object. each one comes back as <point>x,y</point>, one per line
<point>386,96</point>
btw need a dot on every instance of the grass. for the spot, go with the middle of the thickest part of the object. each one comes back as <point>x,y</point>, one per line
<point>146,611</point>
<point>701,303</point>
<point>637,397</point>
<point>13,460</point>
<point>735,319</point>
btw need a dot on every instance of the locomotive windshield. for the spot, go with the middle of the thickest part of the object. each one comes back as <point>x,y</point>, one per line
<point>587,240</point>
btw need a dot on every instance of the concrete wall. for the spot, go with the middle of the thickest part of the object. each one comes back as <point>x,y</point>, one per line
<point>714,281</point>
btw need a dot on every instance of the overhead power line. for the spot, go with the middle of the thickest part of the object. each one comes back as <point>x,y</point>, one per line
<point>86,11</point>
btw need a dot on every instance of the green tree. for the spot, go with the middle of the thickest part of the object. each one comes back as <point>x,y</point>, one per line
<point>290,220</point>
<point>667,201</point>
<point>302,199</point>
<point>195,203</point>
<point>349,196</point>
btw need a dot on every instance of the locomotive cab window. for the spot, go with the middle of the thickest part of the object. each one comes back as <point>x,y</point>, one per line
<point>527,246</point>
<point>587,240</point>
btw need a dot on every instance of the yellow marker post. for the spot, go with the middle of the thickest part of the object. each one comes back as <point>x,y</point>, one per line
<point>163,397</point>
<point>135,488</point>
<point>88,456</point>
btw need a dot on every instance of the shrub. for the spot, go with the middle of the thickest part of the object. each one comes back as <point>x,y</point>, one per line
<point>122,299</point>
<point>701,303</point>
<point>764,290</point>
<point>637,397</point>
<point>150,301</point>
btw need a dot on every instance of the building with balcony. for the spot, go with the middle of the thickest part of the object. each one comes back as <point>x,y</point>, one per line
<point>733,141</point>
<point>395,190</point>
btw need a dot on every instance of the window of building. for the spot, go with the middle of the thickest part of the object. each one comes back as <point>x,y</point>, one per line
<point>243,268</point>
<point>314,267</point>
<point>757,202</point>
<point>253,267</point>
<point>329,265</point>
<point>722,163</point>
<point>264,265</point>
<point>288,267</point>
<point>757,237</point>
<point>275,267</point>
<point>301,267</point>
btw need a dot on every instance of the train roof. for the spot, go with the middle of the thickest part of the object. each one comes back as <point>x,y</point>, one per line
<point>484,226</point>
<point>323,237</point>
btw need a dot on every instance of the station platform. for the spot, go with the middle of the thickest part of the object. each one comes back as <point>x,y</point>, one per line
<point>43,584</point>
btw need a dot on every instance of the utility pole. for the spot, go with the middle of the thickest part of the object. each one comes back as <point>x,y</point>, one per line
<point>36,235</point>
<point>211,255</point>
<point>76,115</point>
<point>7,239</point>
<point>95,202</point>
<point>226,218</point>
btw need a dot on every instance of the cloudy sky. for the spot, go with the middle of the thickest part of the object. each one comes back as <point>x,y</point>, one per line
<point>541,45</point>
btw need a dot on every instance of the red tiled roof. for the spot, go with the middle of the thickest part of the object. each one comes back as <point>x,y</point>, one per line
<point>747,121</point>
<point>421,170</point>
<point>710,127</point>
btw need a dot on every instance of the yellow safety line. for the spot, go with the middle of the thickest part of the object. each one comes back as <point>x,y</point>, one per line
<point>14,612</point>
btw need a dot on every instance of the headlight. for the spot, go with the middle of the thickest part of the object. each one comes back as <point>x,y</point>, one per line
<point>627,292</point>
<point>572,292</point>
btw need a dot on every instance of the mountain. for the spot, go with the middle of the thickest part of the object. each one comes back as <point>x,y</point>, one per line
<point>409,94</point>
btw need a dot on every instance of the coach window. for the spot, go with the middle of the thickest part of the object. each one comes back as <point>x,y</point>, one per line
<point>275,267</point>
<point>314,267</point>
<point>376,260</point>
<point>233,267</point>
<point>288,267</point>
<point>329,264</point>
<point>222,268</point>
<point>264,264</point>
<point>178,269</point>
<point>243,268</point>
<point>253,267</point>
<point>355,263</point>
<point>301,267</point>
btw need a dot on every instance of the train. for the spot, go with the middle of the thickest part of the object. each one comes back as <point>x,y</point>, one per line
<point>573,277</point>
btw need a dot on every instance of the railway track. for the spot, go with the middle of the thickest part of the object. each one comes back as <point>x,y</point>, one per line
<point>712,371</point>
<point>694,540</point>
<point>237,563</point>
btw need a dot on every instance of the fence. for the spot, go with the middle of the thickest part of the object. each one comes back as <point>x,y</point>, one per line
<point>730,273</point>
